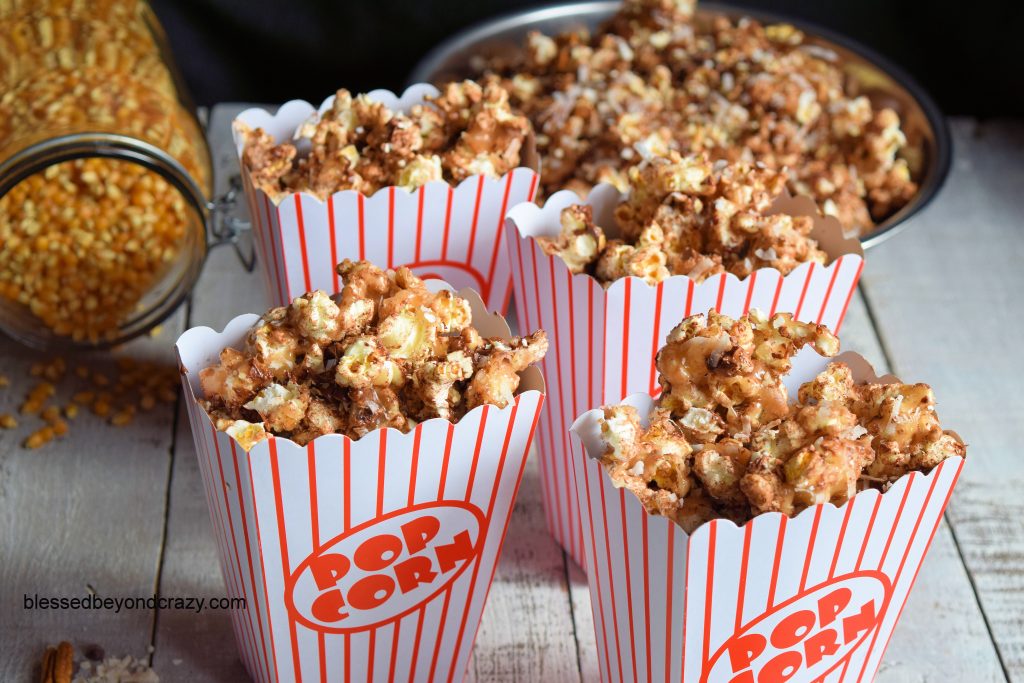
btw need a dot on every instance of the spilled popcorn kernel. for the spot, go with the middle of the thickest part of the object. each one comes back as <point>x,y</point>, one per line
<point>84,397</point>
<point>8,421</point>
<point>40,437</point>
<point>60,427</point>
<point>108,395</point>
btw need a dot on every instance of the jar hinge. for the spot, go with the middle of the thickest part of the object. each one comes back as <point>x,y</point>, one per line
<point>227,226</point>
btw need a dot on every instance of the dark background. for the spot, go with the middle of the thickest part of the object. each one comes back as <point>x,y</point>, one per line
<point>968,55</point>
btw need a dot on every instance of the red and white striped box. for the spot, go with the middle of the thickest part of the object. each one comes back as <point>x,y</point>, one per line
<point>604,340</point>
<point>439,231</point>
<point>810,598</point>
<point>364,560</point>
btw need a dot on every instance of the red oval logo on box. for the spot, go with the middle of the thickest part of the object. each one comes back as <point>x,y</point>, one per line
<point>385,568</point>
<point>805,637</point>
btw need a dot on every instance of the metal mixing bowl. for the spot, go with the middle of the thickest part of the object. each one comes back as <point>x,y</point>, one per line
<point>928,147</point>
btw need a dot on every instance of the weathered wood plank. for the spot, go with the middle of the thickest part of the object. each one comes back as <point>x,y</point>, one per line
<point>527,629</point>
<point>83,511</point>
<point>919,648</point>
<point>952,317</point>
<point>201,647</point>
<point>192,646</point>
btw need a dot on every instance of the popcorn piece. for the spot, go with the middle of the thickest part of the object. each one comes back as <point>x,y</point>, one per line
<point>436,381</point>
<point>733,367</point>
<point>385,352</point>
<point>281,407</point>
<point>316,318</point>
<point>366,363</point>
<point>360,144</point>
<point>825,471</point>
<point>497,367</point>
<point>580,241</point>
<point>233,380</point>
<point>491,142</point>
<point>815,455</point>
<point>247,434</point>
<point>652,462</point>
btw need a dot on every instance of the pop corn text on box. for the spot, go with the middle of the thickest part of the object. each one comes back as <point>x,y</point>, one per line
<point>368,559</point>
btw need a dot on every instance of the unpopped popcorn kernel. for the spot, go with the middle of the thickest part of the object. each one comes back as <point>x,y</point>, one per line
<point>40,437</point>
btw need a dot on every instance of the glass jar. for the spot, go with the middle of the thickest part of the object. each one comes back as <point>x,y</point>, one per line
<point>105,174</point>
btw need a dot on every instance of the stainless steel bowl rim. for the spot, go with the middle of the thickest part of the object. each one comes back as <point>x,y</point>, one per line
<point>427,67</point>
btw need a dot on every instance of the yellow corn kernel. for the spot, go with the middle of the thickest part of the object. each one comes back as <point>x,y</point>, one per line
<point>121,418</point>
<point>39,437</point>
<point>84,397</point>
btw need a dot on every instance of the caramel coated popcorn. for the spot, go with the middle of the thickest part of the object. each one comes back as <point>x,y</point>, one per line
<point>724,441</point>
<point>688,216</point>
<point>653,80</point>
<point>384,352</point>
<point>360,144</point>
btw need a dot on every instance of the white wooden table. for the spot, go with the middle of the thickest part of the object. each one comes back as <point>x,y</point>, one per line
<point>121,511</point>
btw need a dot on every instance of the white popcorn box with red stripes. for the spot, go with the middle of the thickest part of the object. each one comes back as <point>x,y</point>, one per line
<point>604,340</point>
<point>366,559</point>
<point>814,597</point>
<point>453,233</point>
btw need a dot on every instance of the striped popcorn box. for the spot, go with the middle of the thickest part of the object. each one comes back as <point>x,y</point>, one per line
<point>814,597</point>
<point>604,340</point>
<point>365,559</point>
<point>441,231</point>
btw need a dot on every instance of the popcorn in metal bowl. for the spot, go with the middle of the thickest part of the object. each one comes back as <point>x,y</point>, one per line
<point>383,352</point>
<point>660,75</point>
<point>689,216</point>
<point>722,440</point>
<point>361,144</point>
